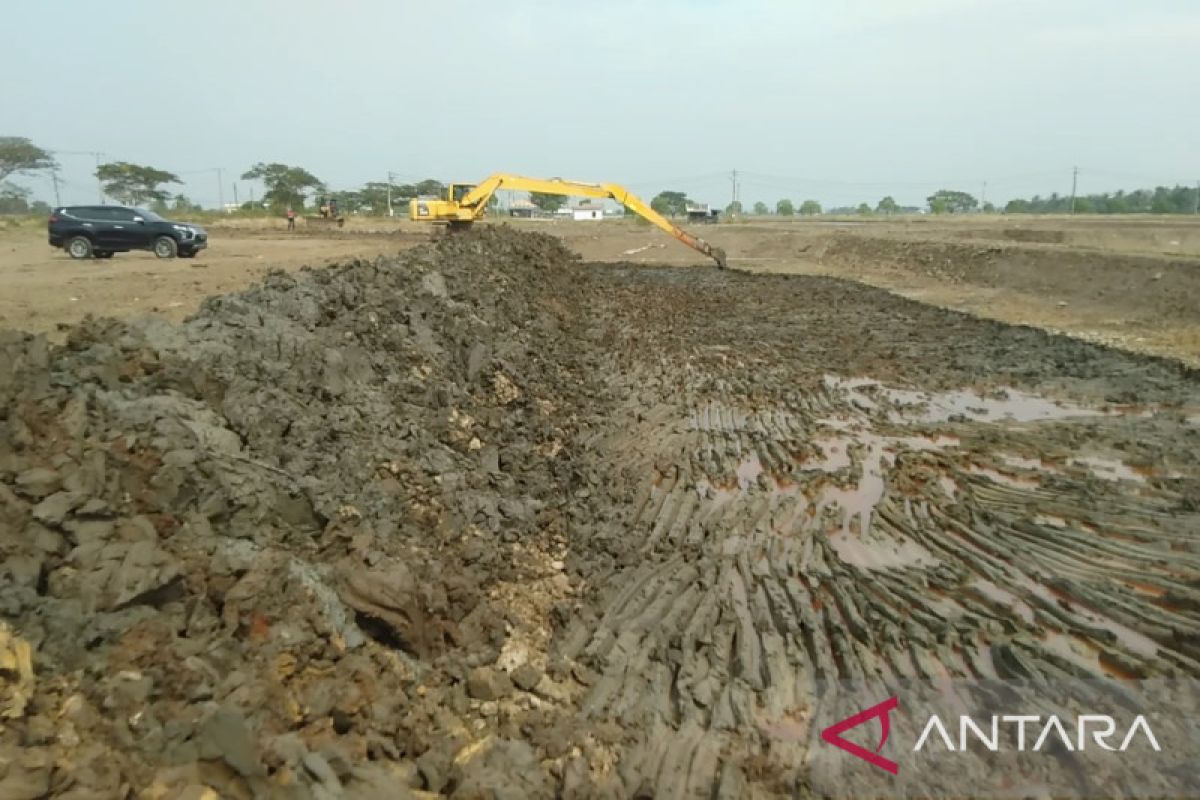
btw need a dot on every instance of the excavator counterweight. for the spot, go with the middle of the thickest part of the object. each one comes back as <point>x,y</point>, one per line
<point>465,203</point>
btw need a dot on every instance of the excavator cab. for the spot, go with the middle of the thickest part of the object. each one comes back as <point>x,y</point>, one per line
<point>448,209</point>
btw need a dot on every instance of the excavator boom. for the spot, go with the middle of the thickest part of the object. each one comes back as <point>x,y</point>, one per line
<point>473,204</point>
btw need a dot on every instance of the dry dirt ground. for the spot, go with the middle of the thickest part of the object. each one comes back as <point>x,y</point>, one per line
<point>484,519</point>
<point>44,288</point>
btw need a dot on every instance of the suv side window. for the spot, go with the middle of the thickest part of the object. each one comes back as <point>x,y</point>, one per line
<point>120,214</point>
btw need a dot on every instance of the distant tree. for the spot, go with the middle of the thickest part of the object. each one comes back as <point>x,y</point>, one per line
<point>760,209</point>
<point>1113,204</point>
<point>18,154</point>
<point>949,201</point>
<point>734,209</point>
<point>863,210</point>
<point>810,208</point>
<point>989,208</point>
<point>348,202</point>
<point>134,184</point>
<point>887,205</point>
<point>13,199</point>
<point>671,204</point>
<point>183,205</point>
<point>373,197</point>
<point>547,202</point>
<point>1179,199</point>
<point>784,208</point>
<point>286,186</point>
<point>429,188</point>
<point>403,192</point>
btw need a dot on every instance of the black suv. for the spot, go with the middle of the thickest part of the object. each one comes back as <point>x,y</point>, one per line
<point>100,231</point>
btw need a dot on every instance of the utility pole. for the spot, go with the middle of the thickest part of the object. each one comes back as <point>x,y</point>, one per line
<point>1074,184</point>
<point>96,155</point>
<point>54,180</point>
<point>983,196</point>
<point>733,192</point>
<point>391,177</point>
<point>220,191</point>
<point>235,202</point>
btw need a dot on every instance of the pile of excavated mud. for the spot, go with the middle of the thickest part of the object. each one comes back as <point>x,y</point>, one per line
<point>262,550</point>
<point>480,521</point>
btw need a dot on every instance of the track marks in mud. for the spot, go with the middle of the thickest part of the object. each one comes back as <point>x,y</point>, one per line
<point>843,530</point>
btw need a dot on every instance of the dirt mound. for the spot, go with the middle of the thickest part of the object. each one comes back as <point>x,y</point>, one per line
<point>1034,235</point>
<point>243,547</point>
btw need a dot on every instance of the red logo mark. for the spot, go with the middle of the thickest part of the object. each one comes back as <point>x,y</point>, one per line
<point>833,734</point>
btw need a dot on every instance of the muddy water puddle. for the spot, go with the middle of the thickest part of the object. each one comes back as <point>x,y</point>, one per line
<point>840,463</point>
<point>1002,404</point>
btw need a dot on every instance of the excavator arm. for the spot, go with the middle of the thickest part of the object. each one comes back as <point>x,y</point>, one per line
<point>473,205</point>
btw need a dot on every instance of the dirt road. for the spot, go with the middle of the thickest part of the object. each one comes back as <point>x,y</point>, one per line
<point>482,520</point>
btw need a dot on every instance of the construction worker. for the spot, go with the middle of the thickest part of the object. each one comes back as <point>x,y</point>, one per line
<point>291,218</point>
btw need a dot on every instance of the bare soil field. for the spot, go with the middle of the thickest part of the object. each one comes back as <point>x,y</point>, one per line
<point>511,515</point>
<point>45,288</point>
<point>1133,282</point>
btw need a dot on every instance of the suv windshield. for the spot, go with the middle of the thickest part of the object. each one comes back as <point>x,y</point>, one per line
<point>149,216</point>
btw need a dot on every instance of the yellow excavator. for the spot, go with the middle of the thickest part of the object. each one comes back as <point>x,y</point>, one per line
<point>465,203</point>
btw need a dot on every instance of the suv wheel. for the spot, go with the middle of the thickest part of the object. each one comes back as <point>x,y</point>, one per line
<point>165,247</point>
<point>79,247</point>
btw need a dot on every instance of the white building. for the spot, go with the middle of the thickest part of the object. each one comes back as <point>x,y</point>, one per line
<point>587,209</point>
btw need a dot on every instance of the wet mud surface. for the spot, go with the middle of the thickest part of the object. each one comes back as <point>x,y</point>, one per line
<point>482,521</point>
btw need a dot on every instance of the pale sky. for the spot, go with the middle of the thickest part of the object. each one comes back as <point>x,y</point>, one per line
<point>838,101</point>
